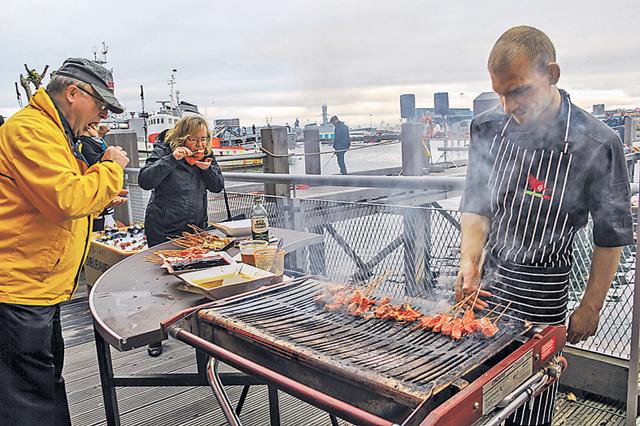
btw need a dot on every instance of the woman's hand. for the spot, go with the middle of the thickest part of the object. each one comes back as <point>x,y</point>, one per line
<point>204,164</point>
<point>180,152</point>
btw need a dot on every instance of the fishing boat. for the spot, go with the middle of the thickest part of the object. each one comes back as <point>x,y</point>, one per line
<point>173,109</point>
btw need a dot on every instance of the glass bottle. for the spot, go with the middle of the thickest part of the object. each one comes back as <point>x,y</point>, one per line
<point>259,220</point>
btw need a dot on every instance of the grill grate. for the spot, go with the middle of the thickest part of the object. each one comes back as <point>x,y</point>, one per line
<point>383,354</point>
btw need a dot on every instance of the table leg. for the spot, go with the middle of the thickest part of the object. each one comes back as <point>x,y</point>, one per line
<point>201,362</point>
<point>334,420</point>
<point>106,378</point>
<point>274,406</point>
<point>243,397</point>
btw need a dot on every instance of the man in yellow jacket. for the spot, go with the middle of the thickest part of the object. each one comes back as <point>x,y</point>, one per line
<point>47,197</point>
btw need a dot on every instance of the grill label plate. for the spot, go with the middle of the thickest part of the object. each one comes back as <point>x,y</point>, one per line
<point>499,387</point>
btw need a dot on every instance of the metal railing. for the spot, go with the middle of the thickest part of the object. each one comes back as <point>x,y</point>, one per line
<point>417,247</point>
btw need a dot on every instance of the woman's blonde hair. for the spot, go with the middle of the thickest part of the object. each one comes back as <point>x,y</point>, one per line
<point>185,127</point>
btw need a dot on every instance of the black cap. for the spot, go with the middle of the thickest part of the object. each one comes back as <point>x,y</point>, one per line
<point>94,74</point>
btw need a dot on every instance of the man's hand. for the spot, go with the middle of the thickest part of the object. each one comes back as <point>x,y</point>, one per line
<point>583,323</point>
<point>116,202</point>
<point>204,164</point>
<point>180,152</point>
<point>467,283</point>
<point>116,154</point>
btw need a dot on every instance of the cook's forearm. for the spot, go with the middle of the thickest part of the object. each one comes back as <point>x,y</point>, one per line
<point>474,230</point>
<point>604,263</point>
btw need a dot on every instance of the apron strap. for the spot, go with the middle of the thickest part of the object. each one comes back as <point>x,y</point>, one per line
<point>504,129</point>
<point>566,133</point>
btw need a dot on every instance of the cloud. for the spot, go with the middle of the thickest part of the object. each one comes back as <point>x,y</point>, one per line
<point>283,59</point>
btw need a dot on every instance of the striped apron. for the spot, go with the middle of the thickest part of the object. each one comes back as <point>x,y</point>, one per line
<point>529,247</point>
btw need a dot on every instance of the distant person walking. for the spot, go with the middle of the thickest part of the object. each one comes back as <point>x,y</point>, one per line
<point>341,142</point>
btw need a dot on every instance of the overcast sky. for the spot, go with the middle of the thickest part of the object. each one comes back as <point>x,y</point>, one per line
<point>284,58</point>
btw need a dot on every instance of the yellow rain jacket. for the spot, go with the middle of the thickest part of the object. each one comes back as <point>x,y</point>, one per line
<point>47,198</point>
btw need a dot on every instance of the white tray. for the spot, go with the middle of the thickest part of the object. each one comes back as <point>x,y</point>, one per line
<point>235,228</point>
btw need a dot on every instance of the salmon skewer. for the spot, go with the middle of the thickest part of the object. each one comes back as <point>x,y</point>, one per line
<point>356,302</point>
<point>490,329</point>
<point>457,329</point>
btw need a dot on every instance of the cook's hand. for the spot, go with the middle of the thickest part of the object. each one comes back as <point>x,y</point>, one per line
<point>116,154</point>
<point>204,164</point>
<point>467,283</point>
<point>124,192</point>
<point>180,152</point>
<point>116,202</point>
<point>583,323</point>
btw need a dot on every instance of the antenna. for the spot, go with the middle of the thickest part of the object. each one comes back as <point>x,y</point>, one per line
<point>104,51</point>
<point>144,117</point>
<point>19,96</point>
<point>172,84</point>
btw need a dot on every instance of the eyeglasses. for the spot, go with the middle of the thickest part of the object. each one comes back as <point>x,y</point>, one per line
<point>195,140</point>
<point>102,105</point>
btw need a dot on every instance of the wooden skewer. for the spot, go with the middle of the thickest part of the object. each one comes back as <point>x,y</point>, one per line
<point>375,282</point>
<point>475,298</point>
<point>460,303</point>
<point>504,310</point>
<point>491,311</point>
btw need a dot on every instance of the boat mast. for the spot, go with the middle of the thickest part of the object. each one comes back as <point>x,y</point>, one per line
<point>144,116</point>
<point>172,94</point>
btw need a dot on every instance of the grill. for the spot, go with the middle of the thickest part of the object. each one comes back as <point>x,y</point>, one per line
<point>385,368</point>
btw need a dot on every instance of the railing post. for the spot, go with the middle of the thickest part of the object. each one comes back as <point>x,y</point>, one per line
<point>412,149</point>
<point>312,152</point>
<point>416,222</point>
<point>274,142</point>
<point>629,135</point>
<point>634,356</point>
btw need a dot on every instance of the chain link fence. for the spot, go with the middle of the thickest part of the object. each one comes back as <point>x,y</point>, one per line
<point>416,248</point>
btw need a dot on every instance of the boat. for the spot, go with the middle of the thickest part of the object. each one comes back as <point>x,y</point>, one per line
<point>224,145</point>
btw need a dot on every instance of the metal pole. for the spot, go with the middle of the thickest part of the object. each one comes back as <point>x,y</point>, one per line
<point>220,394</point>
<point>632,378</point>
<point>359,181</point>
<point>106,379</point>
<point>274,406</point>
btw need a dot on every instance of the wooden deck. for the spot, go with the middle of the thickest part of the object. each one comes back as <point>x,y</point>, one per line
<point>173,406</point>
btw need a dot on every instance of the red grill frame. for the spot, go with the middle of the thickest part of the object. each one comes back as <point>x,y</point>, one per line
<point>460,409</point>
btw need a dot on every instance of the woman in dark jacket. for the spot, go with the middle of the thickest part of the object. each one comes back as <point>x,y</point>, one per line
<point>180,170</point>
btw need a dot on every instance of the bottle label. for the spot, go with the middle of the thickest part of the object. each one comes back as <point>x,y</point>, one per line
<point>260,228</point>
